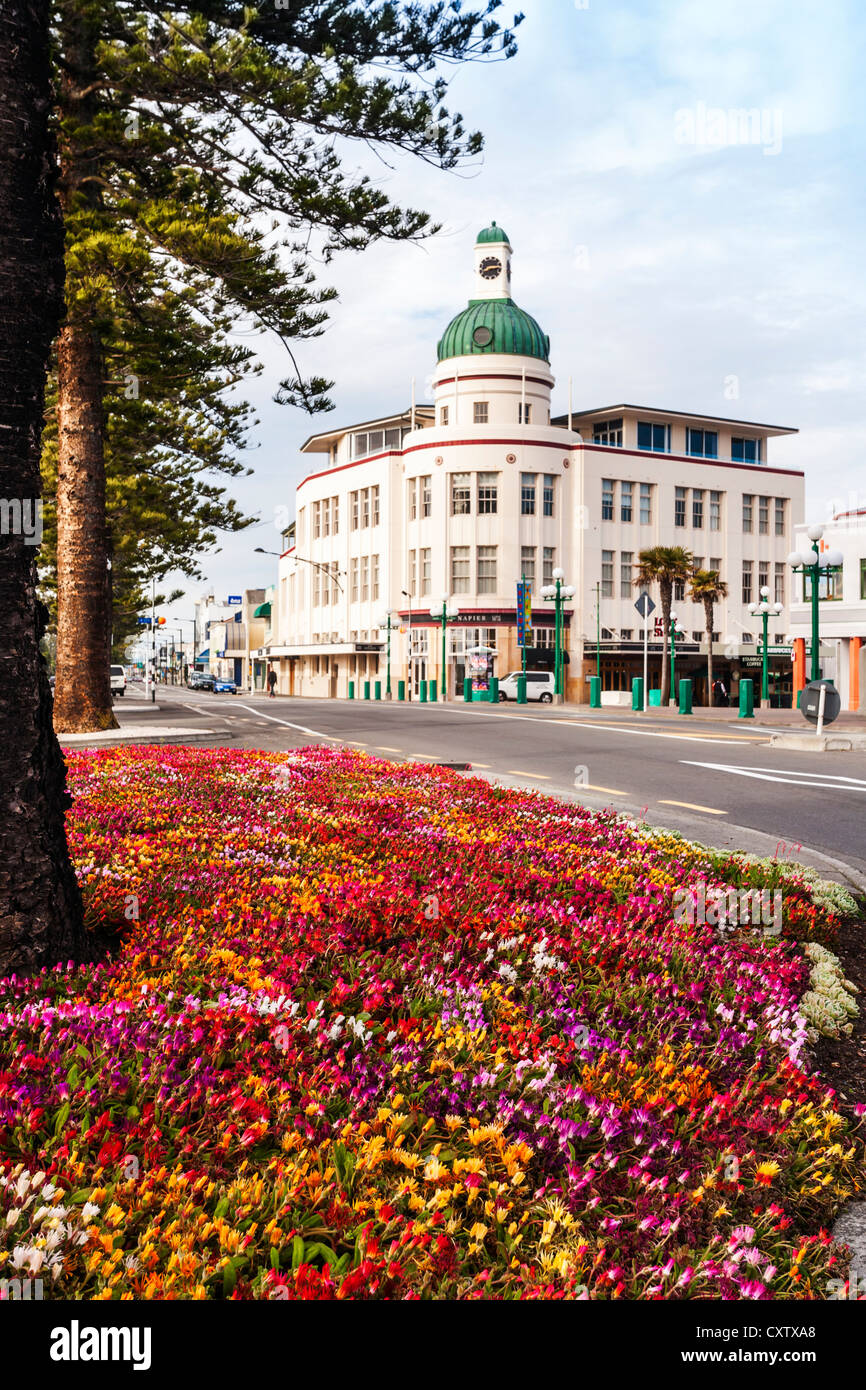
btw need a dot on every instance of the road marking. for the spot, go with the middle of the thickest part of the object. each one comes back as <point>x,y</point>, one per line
<point>831,781</point>
<point>609,791</point>
<point>692,806</point>
<point>316,733</point>
<point>355,743</point>
<point>383,748</point>
<point>480,764</point>
<point>518,772</point>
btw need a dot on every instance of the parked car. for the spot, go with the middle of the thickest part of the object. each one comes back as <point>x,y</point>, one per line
<point>200,680</point>
<point>225,688</point>
<point>118,680</point>
<point>540,685</point>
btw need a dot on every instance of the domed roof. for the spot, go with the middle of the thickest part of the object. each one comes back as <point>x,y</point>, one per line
<point>492,233</point>
<point>491,326</point>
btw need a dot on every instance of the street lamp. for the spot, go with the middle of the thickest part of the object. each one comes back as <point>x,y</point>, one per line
<point>406,594</point>
<point>674,632</point>
<point>447,609</point>
<point>558,594</point>
<point>389,626</point>
<point>763,610</point>
<point>809,562</point>
<point>317,564</point>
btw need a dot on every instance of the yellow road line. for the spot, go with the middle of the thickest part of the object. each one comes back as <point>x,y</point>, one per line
<point>518,772</point>
<point>611,791</point>
<point>383,748</point>
<point>480,764</point>
<point>690,806</point>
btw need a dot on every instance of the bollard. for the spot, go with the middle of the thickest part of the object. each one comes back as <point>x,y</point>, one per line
<point>637,692</point>
<point>521,690</point>
<point>351,690</point>
<point>366,690</point>
<point>595,692</point>
<point>401,690</point>
<point>432,692</point>
<point>747,699</point>
<point>685,697</point>
<point>377,690</point>
<point>494,690</point>
<point>422,692</point>
<point>467,689</point>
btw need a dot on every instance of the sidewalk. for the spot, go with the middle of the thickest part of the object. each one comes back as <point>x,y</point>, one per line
<point>766,717</point>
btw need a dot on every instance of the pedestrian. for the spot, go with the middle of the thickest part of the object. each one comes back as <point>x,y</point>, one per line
<point>723,693</point>
<point>272,683</point>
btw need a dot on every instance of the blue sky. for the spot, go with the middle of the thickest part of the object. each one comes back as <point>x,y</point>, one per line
<point>675,258</point>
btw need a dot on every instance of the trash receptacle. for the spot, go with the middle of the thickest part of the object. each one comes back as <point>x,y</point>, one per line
<point>377,690</point>
<point>685,697</point>
<point>467,690</point>
<point>401,690</point>
<point>422,692</point>
<point>432,693</point>
<point>637,692</point>
<point>655,698</point>
<point>595,692</point>
<point>494,690</point>
<point>747,699</point>
<point>351,690</point>
<point>366,690</point>
<point>521,689</point>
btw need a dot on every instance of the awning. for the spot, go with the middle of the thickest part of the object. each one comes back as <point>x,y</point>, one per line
<point>263,611</point>
<point>203,656</point>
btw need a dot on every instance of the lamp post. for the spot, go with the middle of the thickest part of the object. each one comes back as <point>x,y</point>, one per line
<point>809,562</point>
<point>406,594</point>
<point>558,594</point>
<point>447,609</point>
<point>763,610</point>
<point>386,622</point>
<point>672,699</point>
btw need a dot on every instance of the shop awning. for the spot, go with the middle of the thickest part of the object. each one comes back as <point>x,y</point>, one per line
<point>263,611</point>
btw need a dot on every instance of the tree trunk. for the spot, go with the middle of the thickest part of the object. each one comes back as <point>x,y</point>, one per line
<point>666,596</point>
<point>708,618</point>
<point>40,905</point>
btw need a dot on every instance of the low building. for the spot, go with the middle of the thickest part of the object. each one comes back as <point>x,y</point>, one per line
<point>842,608</point>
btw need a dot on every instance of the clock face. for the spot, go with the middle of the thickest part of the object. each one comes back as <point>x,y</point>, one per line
<point>490,267</point>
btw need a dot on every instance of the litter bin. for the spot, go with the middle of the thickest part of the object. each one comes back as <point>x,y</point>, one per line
<point>521,690</point>
<point>747,699</point>
<point>494,690</point>
<point>637,692</point>
<point>401,690</point>
<point>366,690</point>
<point>377,690</point>
<point>685,697</point>
<point>432,693</point>
<point>351,690</point>
<point>655,698</point>
<point>467,690</point>
<point>422,692</point>
<point>595,692</point>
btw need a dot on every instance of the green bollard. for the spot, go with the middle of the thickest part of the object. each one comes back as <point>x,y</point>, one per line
<point>401,690</point>
<point>685,697</point>
<point>467,689</point>
<point>521,690</point>
<point>366,690</point>
<point>637,692</point>
<point>432,692</point>
<point>747,699</point>
<point>351,690</point>
<point>494,690</point>
<point>595,692</point>
<point>377,690</point>
<point>799,697</point>
<point>422,692</point>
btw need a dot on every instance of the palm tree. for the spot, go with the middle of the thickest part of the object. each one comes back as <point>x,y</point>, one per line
<point>707,588</point>
<point>40,905</point>
<point>664,565</point>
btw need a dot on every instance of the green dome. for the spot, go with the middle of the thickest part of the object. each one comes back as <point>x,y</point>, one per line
<point>493,325</point>
<point>491,233</point>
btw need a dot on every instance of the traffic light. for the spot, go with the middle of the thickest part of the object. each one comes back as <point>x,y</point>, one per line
<point>160,622</point>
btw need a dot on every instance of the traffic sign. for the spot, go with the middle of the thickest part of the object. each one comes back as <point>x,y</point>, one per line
<point>644,604</point>
<point>811,697</point>
<point>235,598</point>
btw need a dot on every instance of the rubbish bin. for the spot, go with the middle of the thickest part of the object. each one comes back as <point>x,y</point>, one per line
<point>422,692</point>
<point>401,690</point>
<point>366,690</point>
<point>685,697</point>
<point>521,690</point>
<point>747,699</point>
<point>637,692</point>
<point>351,690</point>
<point>595,692</point>
<point>494,690</point>
<point>432,693</point>
<point>467,690</point>
<point>377,690</point>
<point>655,698</point>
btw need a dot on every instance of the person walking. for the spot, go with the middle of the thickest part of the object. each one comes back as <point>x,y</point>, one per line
<point>272,683</point>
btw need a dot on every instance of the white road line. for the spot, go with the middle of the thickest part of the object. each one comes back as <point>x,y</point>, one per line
<point>788,779</point>
<point>315,733</point>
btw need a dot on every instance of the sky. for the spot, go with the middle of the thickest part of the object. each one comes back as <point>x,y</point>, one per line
<point>677,255</point>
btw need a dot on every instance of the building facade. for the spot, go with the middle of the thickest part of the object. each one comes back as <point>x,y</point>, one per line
<point>461,499</point>
<point>842,608</point>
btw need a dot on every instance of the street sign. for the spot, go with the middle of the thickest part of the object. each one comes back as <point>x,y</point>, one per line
<point>143,622</point>
<point>234,598</point>
<point>810,701</point>
<point>644,604</point>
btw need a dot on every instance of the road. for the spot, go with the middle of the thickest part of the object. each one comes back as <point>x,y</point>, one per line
<point>720,784</point>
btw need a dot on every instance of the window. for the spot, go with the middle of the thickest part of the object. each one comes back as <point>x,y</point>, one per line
<point>354,499</point>
<point>863,579</point>
<point>524,412</point>
<point>697,508</point>
<point>317,583</point>
<point>461,504</point>
<point>716,564</point>
<point>763,516</point>
<point>607,574</point>
<point>654,437</point>
<point>626,501</point>
<point>543,636</point>
<point>548,564</point>
<point>375,491</point>
<point>697,636</point>
<point>547,495</point>
<point>326,517</point>
<point>443,415</point>
<point>487,493</point>
<point>374,441</point>
<point>702,443</point>
<point>779,582</point>
<point>365,578</point>
<point>527,563</point>
<point>353,580</point>
<point>486,569</point>
<point>335,583</point>
<point>413,498</point>
<point>781,519</point>
<point>747,581</point>
<point>413,573</point>
<point>374,566</point>
<point>608,432</point>
<point>748,637</point>
<point>479,412</point>
<point>426,572</point>
<point>745,450</point>
<point>460,569</point>
<point>527,494</point>
<point>715,511</point>
<point>335,515</point>
<point>679,506</point>
<point>625,573</point>
<point>679,591</point>
<point>426,495</point>
<point>317,520</point>
<point>763,577</point>
<point>365,507</point>
<point>646,504</point>
<point>748,510</point>
<point>607,491</point>
<point>626,634</point>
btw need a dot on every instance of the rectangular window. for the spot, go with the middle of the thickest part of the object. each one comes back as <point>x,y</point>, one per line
<point>863,579</point>
<point>527,563</point>
<point>461,497</point>
<point>702,443</point>
<point>413,498</point>
<point>479,412</point>
<point>460,569</point>
<point>747,581</point>
<point>654,437</point>
<point>715,511</point>
<point>716,563</point>
<point>763,577</point>
<point>679,506</point>
<point>376,505</point>
<point>486,569</point>
<point>326,517</point>
<point>335,515</point>
<point>317,583</point>
<point>607,574</point>
<point>547,495</point>
<point>365,578</point>
<point>748,510</point>
<point>607,495</point>
<point>763,516</point>
<point>679,591</point>
<point>443,415</point>
<point>365,507</point>
<point>646,504</point>
<point>527,494</point>
<point>697,508</point>
<point>413,573</point>
<point>426,495</point>
<point>745,450</point>
<point>697,562</point>
<point>354,499</point>
<point>524,412</point>
<point>335,583</point>
<point>781,526</point>
<point>426,571</point>
<point>779,582</point>
<point>548,564</point>
<point>608,432</point>
<point>626,573</point>
<point>353,579</point>
<point>626,501</point>
<point>374,565</point>
<point>317,520</point>
<point>487,493</point>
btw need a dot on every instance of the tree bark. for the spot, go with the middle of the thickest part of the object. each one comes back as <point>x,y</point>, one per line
<point>708,619</point>
<point>666,592</point>
<point>40,904</point>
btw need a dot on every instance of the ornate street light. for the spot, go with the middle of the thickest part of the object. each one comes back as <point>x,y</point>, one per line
<point>809,562</point>
<point>447,609</point>
<point>386,622</point>
<point>763,610</point>
<point>558,594</point>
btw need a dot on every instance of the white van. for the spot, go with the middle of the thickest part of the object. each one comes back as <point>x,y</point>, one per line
<point>540,685</point>
<point>118,680</point>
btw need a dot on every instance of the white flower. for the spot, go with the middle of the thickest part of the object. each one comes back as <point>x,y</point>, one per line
<point>89,1211</point>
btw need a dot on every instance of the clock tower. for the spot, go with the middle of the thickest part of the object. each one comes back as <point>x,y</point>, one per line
<point>492,264</point>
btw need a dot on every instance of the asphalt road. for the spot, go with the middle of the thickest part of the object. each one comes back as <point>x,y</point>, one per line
<point>720,784</point>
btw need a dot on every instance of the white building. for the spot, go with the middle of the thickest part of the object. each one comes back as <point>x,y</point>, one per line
<point>464,497</point>
<point>842,608</point>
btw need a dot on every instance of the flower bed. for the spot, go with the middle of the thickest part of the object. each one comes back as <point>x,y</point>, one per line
<point>377,1031</point>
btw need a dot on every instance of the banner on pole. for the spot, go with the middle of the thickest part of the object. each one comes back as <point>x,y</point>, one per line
<point>524,614</point>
